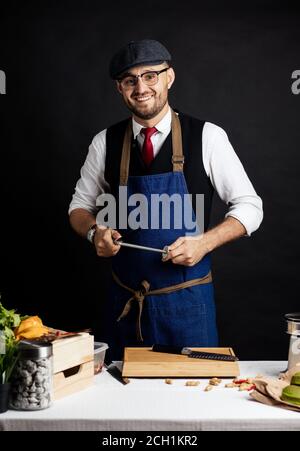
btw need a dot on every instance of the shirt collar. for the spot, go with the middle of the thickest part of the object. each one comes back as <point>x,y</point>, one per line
<point>163,126</point>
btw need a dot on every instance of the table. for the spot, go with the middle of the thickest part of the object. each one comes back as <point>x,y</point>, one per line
<point>152,405</point>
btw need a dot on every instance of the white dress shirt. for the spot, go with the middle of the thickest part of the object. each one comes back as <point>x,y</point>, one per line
<point>220,161</point>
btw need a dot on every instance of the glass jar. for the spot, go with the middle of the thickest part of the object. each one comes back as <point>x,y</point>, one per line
<point>32,380</point>
<point>293,329</point>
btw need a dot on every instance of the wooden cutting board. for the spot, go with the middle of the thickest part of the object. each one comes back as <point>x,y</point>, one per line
<point>143,362</point>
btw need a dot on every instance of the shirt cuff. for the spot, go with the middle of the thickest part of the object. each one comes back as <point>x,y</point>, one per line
<point>74,205</point>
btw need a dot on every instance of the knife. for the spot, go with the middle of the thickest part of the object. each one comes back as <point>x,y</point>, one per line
<point>194,354</point>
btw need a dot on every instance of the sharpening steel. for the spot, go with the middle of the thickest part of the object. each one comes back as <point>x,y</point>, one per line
<point>163,251</point>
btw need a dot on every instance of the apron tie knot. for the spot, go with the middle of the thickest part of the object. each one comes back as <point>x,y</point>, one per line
<point>145,287</point>
<point>139,295</point>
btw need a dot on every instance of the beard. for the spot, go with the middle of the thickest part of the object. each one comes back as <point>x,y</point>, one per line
<point>150,112</point>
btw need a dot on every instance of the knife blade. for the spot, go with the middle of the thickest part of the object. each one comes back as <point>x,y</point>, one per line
<point>194,354</point>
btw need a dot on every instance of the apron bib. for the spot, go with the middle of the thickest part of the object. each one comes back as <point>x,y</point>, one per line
<point>185,317</point>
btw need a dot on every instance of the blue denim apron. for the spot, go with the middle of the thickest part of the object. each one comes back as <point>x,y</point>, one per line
<point>185,317</point>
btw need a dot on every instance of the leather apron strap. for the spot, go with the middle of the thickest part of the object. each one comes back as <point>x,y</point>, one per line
<point>140,294</point>
<point>177,156</point>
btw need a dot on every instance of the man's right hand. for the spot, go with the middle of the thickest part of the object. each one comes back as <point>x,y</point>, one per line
<point>103,241</point>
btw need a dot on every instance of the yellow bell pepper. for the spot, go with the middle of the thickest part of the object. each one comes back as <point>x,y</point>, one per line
<point>31,327</point>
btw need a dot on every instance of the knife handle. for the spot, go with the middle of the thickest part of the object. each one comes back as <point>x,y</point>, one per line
<point>166,348</point>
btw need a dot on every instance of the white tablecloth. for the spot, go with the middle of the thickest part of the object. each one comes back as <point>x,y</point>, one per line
<point>152,405</point>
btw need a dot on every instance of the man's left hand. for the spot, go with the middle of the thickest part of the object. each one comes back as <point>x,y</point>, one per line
<point>187,250</point>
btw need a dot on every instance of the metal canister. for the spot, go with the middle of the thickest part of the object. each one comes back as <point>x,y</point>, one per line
<point>293,329</point>
<point>31,381</point>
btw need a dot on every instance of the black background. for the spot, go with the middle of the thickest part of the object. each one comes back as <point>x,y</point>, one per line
<point>233,67</point>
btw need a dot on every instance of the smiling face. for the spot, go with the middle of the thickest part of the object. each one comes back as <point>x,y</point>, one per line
<point>147,102</point>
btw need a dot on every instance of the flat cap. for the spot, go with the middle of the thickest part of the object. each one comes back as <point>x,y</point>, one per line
<point>136,53</point>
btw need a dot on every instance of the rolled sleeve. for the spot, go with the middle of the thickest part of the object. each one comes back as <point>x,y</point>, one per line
<point>229,178</point>
<point>248,211</point>
<point>92,182</point>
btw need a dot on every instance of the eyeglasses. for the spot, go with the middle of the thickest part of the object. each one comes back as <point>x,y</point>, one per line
<point>149,78</point>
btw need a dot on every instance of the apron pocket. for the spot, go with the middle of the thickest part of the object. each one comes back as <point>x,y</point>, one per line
<point>177,324</point>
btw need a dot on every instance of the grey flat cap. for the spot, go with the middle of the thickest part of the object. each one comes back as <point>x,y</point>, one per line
<point>136,53</point>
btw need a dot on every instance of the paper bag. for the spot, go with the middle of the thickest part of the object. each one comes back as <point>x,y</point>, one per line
<point>268,390</point>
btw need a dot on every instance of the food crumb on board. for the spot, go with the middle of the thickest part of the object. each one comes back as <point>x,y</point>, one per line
<point>168,381</point>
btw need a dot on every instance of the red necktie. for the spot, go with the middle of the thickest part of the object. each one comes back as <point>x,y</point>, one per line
<point>147,151</point>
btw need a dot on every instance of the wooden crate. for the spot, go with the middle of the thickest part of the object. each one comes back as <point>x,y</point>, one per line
<point>73,364</point>
<point>143,362</point>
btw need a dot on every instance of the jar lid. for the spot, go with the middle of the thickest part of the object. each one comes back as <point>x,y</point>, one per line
<point>35,350</point>
<point>293,317</point>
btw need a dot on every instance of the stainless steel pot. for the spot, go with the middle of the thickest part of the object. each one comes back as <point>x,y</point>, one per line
<point>293,329</point>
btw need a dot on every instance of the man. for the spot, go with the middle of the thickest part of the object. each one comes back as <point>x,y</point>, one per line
<point>165,300</point>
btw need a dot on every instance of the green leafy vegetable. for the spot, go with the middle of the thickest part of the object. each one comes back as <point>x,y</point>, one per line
<point>8,344</point>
